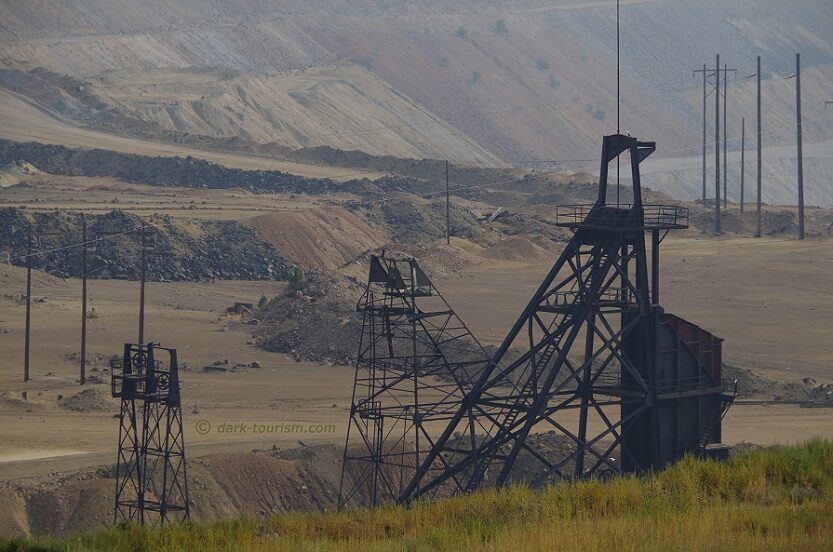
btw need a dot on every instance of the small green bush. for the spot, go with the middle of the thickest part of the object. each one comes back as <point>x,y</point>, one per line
<point>296,279</point>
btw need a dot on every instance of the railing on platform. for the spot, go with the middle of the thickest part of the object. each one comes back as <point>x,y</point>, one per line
<point>654,217</point>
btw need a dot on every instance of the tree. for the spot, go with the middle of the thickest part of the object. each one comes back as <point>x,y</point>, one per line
<point>296,279</point>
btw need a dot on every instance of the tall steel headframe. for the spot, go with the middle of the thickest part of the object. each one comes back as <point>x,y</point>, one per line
<point>417,360</point>
<point>151,477</point>
<point>623,386</point>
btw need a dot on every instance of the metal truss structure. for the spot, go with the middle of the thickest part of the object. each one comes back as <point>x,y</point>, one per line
<point>624,386</point>
<point>417,360</point>
<point>151,477</point>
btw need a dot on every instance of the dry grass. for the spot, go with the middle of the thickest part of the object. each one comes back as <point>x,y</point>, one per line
<point>776,499</point>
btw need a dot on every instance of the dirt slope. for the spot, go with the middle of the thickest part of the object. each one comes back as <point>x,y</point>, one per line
<point>322,237</point>
<point>539,87</point>
<point>220,485</point>
<point>333,104</point>
<point>23,121</point>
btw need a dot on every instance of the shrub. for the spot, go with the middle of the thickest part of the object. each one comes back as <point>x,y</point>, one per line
<point>542,64</point>
<point>296,279</point>
<point>501,27</point>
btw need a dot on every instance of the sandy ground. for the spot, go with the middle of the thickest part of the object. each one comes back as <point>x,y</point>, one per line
<point>39,437</point>
<point>783,335</point>
<point>733,287</point>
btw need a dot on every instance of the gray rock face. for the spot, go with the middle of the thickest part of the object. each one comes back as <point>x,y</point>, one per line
<point>225,250</point>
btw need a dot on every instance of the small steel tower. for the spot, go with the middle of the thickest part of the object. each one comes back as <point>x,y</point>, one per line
<point>151,481</point>
<point>416,362</point>
<point>624,386</point>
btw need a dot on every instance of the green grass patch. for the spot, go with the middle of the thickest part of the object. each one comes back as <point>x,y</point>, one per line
<point>773,499</point>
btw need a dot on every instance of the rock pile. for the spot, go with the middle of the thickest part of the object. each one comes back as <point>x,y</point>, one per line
<point>224,250</point>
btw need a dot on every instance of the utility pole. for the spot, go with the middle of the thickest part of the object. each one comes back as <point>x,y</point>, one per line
<point>726,72</point>
<point>717,147</point>
<point>725,136</point>
<point>760,151</point>
<point>28,304</point>
<point>707,73</point>
<point>704,134</point>
<point>142,289</point>
<point>800,156</point>
<point>145,245</point>
<point>447,209</point>
<point>742,159</point>
<point>28,332</point>
<point>717,92</point>
<point>83,377</point>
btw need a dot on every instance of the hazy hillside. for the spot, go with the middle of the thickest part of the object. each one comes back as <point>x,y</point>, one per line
<point>522,80</point>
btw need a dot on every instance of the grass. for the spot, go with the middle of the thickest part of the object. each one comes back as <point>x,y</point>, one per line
<point>774,499</point>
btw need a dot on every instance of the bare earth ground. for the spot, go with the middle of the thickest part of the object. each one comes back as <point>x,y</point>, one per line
<point>734,287</point>
<point>46,192</point>
<point>23,122</point>
<point>181,316</point>
<point>51,478</point>
<point>784,336</point>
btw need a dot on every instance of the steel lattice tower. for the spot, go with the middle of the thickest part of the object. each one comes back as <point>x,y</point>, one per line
<point>151,477</point>
<point>604,367</point>
<point>416,362</point>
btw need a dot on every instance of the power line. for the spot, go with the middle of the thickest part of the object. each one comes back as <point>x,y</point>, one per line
<point>431,194</point>
<point>72,245</point>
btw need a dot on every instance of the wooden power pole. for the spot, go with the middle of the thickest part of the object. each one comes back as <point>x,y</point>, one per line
<point>704,134</point>
<point>28,305</point>
<point>717,148</point>
<point>799,152</point>
<point>742,160</point>
<point>447,209</point>
<point>83,376</point>
<point>142,289</point>
<point>725,136</point>
<point>760,151</point>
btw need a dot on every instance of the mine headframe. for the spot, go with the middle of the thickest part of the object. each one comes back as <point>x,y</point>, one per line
<point>417,360</point>
<point>151,478</point>
<point>606,382</point>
